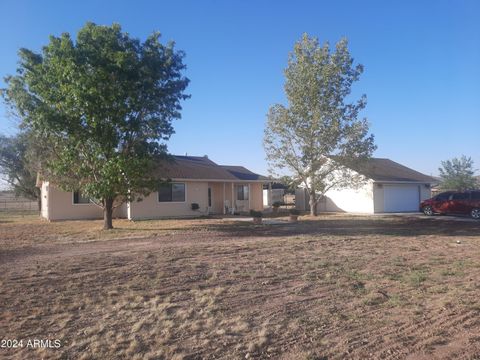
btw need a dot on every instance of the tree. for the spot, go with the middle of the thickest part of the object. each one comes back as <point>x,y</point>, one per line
<point>457,174</point>
<point>18,167</point>
<point>104,104</point>
<point>318,136</point>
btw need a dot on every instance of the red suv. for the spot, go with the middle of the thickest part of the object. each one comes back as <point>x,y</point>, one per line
<point>453,202</point>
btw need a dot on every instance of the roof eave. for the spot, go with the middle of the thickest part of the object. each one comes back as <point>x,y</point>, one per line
<point>404,181</point>
<point>222,180</point>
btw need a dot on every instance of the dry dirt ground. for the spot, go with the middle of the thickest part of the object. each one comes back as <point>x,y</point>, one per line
<point>329,288</point>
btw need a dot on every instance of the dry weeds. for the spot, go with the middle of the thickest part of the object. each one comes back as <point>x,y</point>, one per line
<point>334,287</point>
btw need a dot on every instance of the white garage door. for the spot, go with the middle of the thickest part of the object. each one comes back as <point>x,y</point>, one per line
<point>401,198</point>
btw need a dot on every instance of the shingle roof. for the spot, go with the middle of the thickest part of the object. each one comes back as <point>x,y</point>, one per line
<point>201,167</point>
<point>243,173</point>
<point>379,169</point>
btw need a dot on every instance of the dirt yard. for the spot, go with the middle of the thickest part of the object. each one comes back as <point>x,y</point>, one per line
<point>331,288</point>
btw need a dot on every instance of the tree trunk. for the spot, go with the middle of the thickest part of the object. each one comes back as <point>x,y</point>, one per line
<point>107,213</point>
<point>313,204</point>
<point>38,195</point>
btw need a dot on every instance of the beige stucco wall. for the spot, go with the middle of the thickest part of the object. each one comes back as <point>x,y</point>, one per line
<point>217,197</point>
<point>151,208</point>
<point>59,206</point>
<point>256,196</point>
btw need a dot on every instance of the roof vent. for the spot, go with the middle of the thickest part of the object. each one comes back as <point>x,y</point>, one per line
<point>205,156</point>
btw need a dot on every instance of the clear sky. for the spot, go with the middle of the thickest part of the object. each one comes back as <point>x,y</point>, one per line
<point>421,58</point>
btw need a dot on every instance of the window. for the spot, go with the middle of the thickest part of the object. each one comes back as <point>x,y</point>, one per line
<point>443,196</point>
<point>475,195</point>
<point>78,198</point>
<point>172,192</point>
<point>460,196</point>
<point>242,192</point>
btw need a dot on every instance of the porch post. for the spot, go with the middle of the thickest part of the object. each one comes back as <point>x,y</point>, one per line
<point>224,210</point>
<point>269,195</point>
<point>233,201</point>
<point>249,197</point>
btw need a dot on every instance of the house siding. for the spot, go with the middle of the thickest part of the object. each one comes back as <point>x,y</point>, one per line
<point>217,197</point>
<point>195,192</point>
<point>349,200</point>
<point>58,205</point>
<point>151,208</point>
<point>256,196</point>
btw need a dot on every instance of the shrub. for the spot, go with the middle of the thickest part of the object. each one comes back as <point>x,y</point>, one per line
<point>256,214</point>
<point>294,212</point>
<point>195,206</point>
<point>277,204</point>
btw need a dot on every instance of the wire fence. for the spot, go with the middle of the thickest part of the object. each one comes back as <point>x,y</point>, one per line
<point>8,204</point>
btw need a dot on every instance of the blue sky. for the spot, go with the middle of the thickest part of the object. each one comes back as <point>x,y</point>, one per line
<point>421,58</point>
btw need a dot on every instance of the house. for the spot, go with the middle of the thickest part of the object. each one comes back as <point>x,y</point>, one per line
<point>217,189</point>
<point>389,187</point>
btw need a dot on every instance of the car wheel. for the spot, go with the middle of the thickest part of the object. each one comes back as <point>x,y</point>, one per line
<point>427,210</point>
<point>475,213</point>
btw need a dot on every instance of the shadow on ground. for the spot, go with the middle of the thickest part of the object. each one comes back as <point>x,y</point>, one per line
<point>391,226</point>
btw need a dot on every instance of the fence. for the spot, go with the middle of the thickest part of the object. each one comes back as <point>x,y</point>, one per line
<point>8,204</point>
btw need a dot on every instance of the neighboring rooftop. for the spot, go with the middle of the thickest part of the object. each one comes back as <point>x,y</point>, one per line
<point>379,169</point>
<point>201,167</point>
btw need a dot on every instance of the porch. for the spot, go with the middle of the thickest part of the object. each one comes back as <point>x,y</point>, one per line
<point>234,197</point>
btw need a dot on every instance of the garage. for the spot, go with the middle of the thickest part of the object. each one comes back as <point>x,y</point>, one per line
<point>389,187</point>
<point>401,198</point>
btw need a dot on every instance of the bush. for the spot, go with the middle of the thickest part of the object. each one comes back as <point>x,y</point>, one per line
<point>195,206</point>
<point>256,214</point>
<point>277,204</point>
<point>294,212</point>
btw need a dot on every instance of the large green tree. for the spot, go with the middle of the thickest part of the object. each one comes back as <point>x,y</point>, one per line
<point>18,166</point>
<point>457,174</point>
<point>104,104</point>
<point>318,136</point>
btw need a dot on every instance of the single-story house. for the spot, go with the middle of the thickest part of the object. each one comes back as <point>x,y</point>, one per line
<point>389,187</point>
<point>217,189</point>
